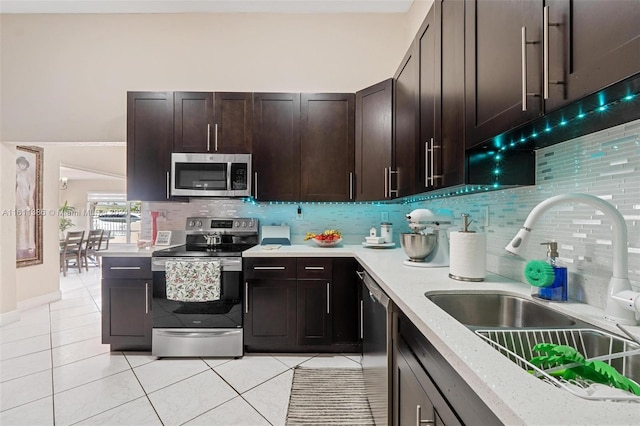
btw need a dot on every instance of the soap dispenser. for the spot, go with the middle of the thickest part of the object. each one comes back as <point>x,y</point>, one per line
<point>557,291</point>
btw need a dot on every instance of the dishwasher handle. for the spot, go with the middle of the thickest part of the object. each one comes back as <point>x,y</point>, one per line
<point>375,292</point>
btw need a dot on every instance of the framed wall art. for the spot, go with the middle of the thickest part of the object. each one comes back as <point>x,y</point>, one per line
<point>28,210</point>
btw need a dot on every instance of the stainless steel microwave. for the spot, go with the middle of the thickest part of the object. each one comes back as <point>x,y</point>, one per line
<point>210,175</point>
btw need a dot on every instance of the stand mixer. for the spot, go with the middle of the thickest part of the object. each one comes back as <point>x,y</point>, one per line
<point>434,252</point>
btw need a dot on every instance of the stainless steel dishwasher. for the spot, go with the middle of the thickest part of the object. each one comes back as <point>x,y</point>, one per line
<point>376,323</point>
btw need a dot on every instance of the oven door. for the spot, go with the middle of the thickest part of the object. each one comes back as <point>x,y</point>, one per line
<point>224,313</point>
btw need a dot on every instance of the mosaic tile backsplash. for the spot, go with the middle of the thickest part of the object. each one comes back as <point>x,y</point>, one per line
<point>605,164</point>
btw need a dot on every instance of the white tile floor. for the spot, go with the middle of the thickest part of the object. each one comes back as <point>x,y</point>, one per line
<point>55,370</point>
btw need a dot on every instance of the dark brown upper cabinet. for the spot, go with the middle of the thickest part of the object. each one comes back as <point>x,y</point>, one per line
<point>327,147</point>
<point>502,66</point>
<point>447,157</point>
<point>276,146</point>
<point>429,104</point>
<point>403,178</point>
<point>233,129</point>
<point>149,145</point>
<point>374,107</point>
<point>220,122</point>
<point>591,45</point>
<point>193,118</point>
<point>526,58</point>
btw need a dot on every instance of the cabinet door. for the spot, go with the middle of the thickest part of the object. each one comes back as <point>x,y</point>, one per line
<point>345,302</point>
<point>193,118</point>
<point>314,312</point>
<point>374,106</point>
<point>592,44</point>
<point>416,399</point>
<point>449,131</point>
<point>276,146</point>
<point>430,153</point>
<point>327,146</point>
<point>494,66</point>
<point>270,315</point>
<point>149,145</point>
<point>233,130</point>
<point>406,126</point>
<point>126,313</point>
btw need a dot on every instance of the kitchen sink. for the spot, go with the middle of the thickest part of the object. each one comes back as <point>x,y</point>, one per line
<point>499,310</point>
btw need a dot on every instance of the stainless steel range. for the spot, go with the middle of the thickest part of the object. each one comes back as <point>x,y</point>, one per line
<point>198,292</point>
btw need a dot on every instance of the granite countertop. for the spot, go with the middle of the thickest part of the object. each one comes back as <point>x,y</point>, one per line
<point>514,395</point>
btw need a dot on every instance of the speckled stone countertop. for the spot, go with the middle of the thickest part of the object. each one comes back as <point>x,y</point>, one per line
<point>514,395</point>
<point>127,250</point>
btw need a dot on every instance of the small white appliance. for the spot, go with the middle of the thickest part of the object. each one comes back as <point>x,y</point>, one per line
<point>426,221</point>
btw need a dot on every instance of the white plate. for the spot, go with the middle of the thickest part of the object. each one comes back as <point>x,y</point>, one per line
<point>381,245</point>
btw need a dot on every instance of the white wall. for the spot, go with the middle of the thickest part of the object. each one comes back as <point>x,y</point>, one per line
<point>65,77</point>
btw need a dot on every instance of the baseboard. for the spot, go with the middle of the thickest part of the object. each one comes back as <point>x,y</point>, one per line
<point>9,317</point>
<point>34,302</point>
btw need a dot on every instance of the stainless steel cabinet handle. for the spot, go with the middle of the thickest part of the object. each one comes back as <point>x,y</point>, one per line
<point>269,268</point>
<point>246,297</point>
<point>351,185</point>
<point>208,137</point>
<point>255,179</point>
<point>167,185</point>
<point>432,172</point>
<point>361,319</point>
<point>146,298</point>
<point>420,421</point>
<point>397,173</point>
<point>545,54</point>
<point>524,68</point>
<point>328,297</point>
<point>386,183</point>
<point>215,138</point>
<point>314,268</point>
<point>426,164</point>
<point>125,268</point>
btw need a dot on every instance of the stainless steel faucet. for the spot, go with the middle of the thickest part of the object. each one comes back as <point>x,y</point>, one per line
<point>622,301</point>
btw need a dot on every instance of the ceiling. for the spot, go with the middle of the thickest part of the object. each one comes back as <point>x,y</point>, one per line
<point>205,6</point>
<point>75,173</point>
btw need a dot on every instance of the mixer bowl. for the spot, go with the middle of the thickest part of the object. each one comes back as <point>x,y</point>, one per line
<point>418,246</point>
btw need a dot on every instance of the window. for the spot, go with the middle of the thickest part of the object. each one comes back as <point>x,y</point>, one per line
<point>111,212</point>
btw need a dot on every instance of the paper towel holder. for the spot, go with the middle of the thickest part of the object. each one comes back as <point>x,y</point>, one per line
<point>465,229</point>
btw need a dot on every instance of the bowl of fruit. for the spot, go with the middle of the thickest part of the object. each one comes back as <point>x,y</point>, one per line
<point>329,238</point>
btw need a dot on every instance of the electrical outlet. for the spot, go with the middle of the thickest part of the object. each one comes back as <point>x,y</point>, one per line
<point>299,215</point>
<point>486,215</point>
<point>384,216</point>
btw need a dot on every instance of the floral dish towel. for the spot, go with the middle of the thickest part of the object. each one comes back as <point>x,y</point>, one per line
<point>189,281</point>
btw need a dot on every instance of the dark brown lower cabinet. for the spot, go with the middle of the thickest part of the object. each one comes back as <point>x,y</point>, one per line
<point>413,392</point>
<point>270,314</point>
<point>127,288</point>
<point>426,388</point>
<point>314,312</point>
<point>301,305</point>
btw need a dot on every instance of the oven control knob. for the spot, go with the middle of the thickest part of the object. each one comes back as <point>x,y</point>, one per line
<point>199,223</point>
<point>191,224</point>
<point>236,225</point>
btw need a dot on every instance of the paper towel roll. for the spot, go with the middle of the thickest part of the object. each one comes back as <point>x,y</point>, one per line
<point>468,252</point>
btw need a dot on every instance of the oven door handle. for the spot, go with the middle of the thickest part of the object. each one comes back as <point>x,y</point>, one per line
<point>201,334</point>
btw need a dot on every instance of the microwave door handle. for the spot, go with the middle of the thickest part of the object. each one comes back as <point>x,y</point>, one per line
<point>229,186</point>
